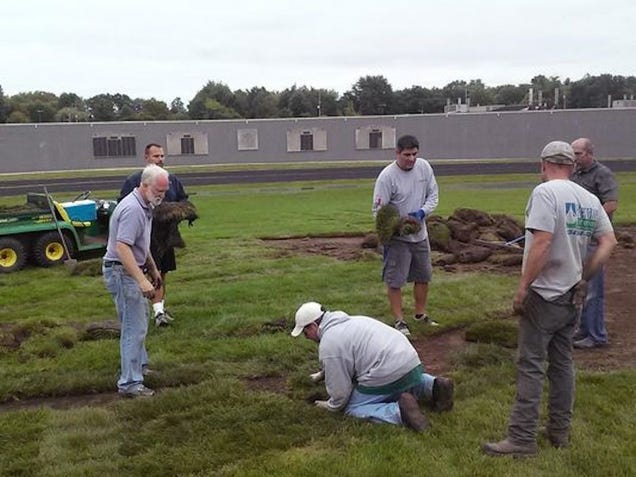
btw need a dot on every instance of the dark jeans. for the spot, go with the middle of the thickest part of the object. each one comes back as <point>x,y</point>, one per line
<point>545,330</point>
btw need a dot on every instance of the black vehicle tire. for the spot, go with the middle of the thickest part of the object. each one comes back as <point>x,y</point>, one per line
<point>48,249</point>
<point>12,255</point>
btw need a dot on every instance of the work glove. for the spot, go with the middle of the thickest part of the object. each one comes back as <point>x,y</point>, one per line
<point>418,214</point>
<point>318,376</point>
<point>322,404</point>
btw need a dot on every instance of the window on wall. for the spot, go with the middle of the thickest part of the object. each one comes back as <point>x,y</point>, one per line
<point>306,141</point>
<point>187,144</point>
<point>375,139</point>
<point>114,146</point>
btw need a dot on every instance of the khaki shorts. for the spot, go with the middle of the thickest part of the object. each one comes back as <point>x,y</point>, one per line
<point>406,262</point>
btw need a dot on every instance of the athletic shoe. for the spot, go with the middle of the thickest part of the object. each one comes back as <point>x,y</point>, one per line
<point>402,328</point>
<point>579,335</point>
<point>138,391</point>
<point>587,343</point>
<point>161,320</point>
<point>426,320</point>
<point>443,394</point>
<point>505,447</point>
<point>410,413</point>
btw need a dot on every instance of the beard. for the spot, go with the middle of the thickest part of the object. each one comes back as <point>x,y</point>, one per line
<point>154,201</point>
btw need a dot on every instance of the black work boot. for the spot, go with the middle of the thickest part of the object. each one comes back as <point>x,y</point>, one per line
<point>443,394</point>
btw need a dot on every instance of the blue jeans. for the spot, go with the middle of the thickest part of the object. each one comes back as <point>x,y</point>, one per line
<point>384,407</point>
<point>132,310</point>
<point>592,316</point>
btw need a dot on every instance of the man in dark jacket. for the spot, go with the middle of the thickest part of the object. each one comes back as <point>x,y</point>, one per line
<point>163,255</point>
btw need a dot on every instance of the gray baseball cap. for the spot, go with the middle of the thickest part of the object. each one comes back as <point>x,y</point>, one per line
<point>558,152</point>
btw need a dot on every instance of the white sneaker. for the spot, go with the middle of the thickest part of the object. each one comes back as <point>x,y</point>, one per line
<point>402,327</point>
<point>426,320</point>
<point>138,391</point>
<point>161,320</point>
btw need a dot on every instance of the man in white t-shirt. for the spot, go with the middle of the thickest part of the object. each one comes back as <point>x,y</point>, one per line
<point>561,220</point>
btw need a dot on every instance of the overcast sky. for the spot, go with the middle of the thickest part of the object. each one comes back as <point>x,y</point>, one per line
<point>167,49</point>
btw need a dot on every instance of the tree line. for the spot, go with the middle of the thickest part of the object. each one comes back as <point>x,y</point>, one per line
<point>370,95</point>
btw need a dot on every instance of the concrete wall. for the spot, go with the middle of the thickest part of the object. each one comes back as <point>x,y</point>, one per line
<point>511,135</point>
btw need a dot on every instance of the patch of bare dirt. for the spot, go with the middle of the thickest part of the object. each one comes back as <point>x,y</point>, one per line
<point>273,384</point>
<point>60,402</point>
<point>341,248</point>
<point>435,351</point>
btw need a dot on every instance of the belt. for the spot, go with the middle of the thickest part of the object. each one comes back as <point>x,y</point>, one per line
<point>111,263</point>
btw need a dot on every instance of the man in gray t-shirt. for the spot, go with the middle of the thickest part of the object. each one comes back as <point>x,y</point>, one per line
<point>561,220</point>
<point>599,180</point>
<point>409,185</point>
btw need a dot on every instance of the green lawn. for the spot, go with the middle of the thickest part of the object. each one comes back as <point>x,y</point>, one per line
<point>214,415</point>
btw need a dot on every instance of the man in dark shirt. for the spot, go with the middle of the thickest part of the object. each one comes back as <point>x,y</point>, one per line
<point>599,180</point>
<point>153,154</point>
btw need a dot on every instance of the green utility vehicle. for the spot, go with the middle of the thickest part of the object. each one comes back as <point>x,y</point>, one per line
<point>44,231</point>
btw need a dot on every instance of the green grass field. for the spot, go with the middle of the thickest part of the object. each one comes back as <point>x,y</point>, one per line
<point>232,388</point>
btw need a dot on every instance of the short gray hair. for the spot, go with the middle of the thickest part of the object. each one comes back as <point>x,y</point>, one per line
<point>151,173</point>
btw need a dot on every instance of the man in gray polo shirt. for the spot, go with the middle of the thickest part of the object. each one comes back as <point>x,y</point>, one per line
<point>599,180</point>
<point>126,260</point>
<point>561,219</point>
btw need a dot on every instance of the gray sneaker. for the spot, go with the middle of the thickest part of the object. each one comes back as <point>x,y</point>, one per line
<point>402,328</point>
<point>505,447</point>
<point>137,391</point>
<point>587,343</point>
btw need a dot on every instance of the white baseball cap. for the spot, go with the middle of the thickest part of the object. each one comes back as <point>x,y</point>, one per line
<point>306,314</point>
